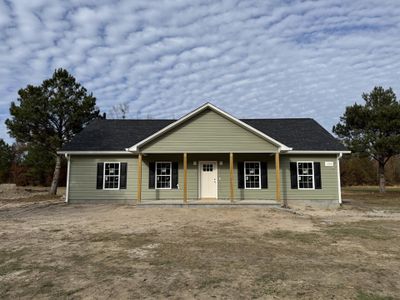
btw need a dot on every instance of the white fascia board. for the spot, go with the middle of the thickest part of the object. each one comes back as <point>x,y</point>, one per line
<point>318,152</point>
<point>92,152</point>
<point>282,147</point>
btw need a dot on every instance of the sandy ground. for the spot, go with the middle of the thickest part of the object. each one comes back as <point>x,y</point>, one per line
<point>52,250</point>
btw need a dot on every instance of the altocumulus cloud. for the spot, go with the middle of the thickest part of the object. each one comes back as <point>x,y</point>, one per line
<point>251,58</point>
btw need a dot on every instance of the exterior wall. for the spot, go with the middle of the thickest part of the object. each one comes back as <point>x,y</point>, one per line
<point>208,132</point>
<point>329,178</point>
<point>160,194</point>
<point>83,171</point>
<point>83,176</point>
<point>247,194</point>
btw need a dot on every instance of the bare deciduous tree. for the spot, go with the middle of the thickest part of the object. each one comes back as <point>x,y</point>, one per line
<point>120,111</point>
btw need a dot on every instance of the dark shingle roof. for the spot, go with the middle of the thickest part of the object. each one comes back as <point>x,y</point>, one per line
<point>116,135</point>
<point>299,134</point>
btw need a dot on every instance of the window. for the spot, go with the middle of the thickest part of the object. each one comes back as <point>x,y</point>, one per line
<point>252,175</point>
<point>111,176</point>
<point>207,167</point>
<point>305,175</point>
<point>163,175</point>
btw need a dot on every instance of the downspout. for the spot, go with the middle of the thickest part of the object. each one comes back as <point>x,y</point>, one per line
<point>338,175</point>
<point>68,157</point>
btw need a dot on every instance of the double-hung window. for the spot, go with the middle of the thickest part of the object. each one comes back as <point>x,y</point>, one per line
<point>305,175</point>
<point>111,176</point>
<point>252,175</point>
<point>163,175</point>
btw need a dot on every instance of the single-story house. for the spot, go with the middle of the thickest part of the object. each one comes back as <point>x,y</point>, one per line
<point>206,154</point>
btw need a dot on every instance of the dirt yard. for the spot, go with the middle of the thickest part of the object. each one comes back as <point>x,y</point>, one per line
<point>52,250</point>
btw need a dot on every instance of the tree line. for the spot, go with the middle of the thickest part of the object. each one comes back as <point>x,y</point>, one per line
<point>45,117</point>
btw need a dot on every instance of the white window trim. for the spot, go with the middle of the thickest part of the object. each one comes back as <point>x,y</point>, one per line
<point>104,175</point>
<point>298,175</point>
<point>259,175</point>
<point>170,175</point>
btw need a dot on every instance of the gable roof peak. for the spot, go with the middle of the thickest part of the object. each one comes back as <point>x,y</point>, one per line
<point>219,111</point>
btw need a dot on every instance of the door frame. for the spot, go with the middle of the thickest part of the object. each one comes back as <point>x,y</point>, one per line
<point>199,168</point>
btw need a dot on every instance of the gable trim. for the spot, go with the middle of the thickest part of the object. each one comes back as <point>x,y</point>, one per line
<point>207,105</point>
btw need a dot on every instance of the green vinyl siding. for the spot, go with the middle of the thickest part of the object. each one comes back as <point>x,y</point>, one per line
<point>83,171</point>
<point>254,194</point>
<point>208,132</point>
<point>162,194</point>
<point>83,176</point>
<point>329,190</point>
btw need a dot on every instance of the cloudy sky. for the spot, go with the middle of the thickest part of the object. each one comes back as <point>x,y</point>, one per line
<point>251,58</point>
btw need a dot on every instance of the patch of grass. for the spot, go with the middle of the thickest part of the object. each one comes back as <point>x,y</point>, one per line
<point>370,296</point>
<point>302,237</point>
<point>211,282</point>
<point>370,188</point>
<point>11,261</point>
<point>271,277</point>
<point>130,241</point>
<point>33,198</point>
<point>46,287</point>
<point>5,288</point>
<point>366,197</point>
<point>363,230</point>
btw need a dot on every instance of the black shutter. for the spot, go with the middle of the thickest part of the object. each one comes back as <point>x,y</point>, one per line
<point>152,175</point>
<point>240,175</point>
<point>264,175</point>
<point>124,168</point>
<point>293,175</point>
<point>317,175</point>
<point>174,175</point>
<point>100,171</point>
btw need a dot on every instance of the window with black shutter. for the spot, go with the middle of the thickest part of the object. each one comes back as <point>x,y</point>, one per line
<point>264,175</point>
<point>112,175</point>
<point>240,174</point>
<point>123,178</point>
<point>152,175</point>
<point>317,175</point>
<point>163,174</point>
<point>100,171</point>
<point>293,175</point>
<point>305,175</point>
<point>174,175</point>
<point>252,175</point>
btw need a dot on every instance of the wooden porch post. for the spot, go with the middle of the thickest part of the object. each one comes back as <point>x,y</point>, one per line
<point>278,177</point>
<point>231,195</point>
<point>139,179</point>
<point>185,195</point>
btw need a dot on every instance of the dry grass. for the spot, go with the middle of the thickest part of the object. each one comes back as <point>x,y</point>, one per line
<point>105,251</point>
<point>368,197</point>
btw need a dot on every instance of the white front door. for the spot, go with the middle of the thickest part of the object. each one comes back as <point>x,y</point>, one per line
<point>208,179</point>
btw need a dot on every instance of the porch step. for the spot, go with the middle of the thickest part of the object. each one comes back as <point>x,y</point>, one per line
<point>208,203</point>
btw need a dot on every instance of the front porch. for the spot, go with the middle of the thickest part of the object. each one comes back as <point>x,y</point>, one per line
<point>209,179</point>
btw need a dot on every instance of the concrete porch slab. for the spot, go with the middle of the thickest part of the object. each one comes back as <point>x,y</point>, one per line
<point>208,203</point>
